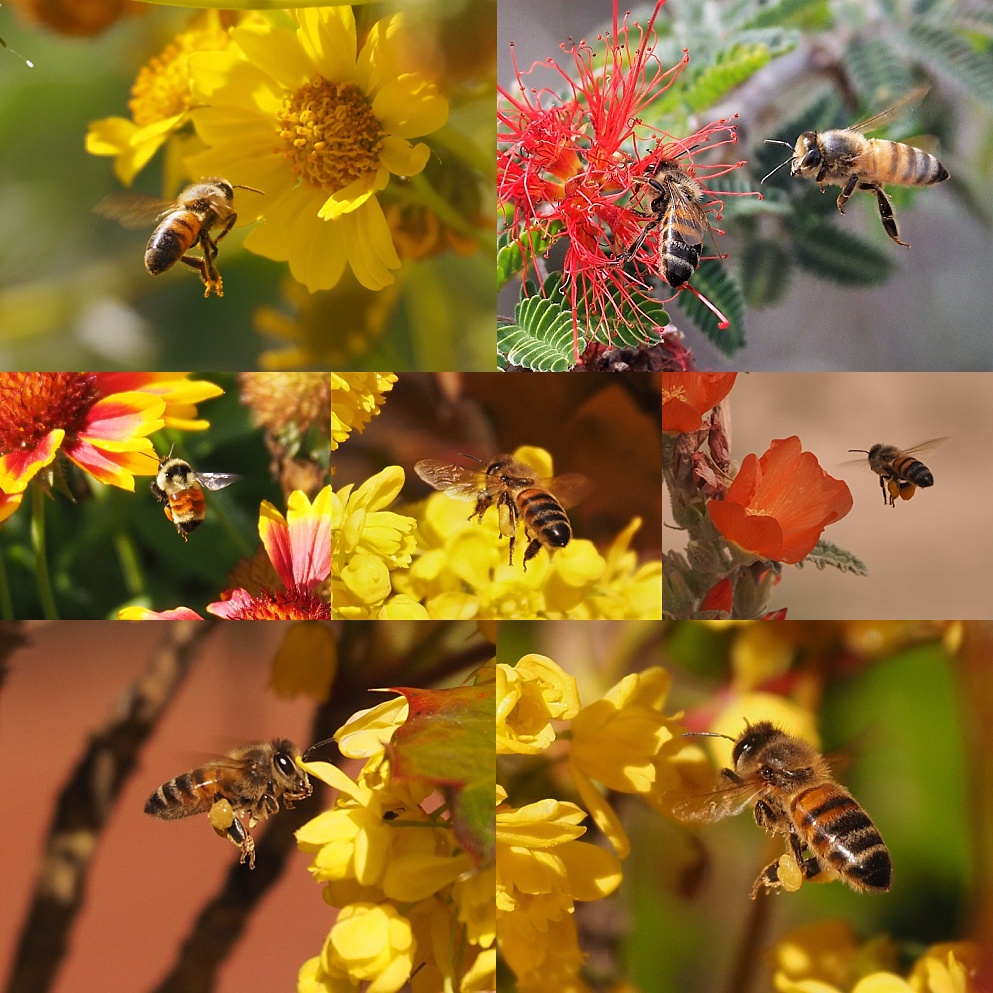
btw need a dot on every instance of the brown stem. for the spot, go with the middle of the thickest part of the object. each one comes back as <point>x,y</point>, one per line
<point>746,960</point>
<point>86,803</point>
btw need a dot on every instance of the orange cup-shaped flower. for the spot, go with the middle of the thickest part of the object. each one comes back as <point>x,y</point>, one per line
<point>687,396</point>
<point>779,504</point>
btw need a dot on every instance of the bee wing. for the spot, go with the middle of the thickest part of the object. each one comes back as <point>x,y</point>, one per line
<point>724,800</point>
<point>568,489</point>
<point>875,122</point>
<point>457,481</point>
<point>924,446</point>
<point>133,210</point>
<point>216,480</point>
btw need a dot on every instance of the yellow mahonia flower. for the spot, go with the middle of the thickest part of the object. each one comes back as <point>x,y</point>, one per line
<point>529,696</point>
<point>367,542</point>
<point>355,398</point>
<point>542,869</point>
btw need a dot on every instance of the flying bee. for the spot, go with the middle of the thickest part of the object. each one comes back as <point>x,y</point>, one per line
<point>182,223</point>
<point>250,780</point>
<point>792,792</point>
<point>677,211</point>
<point>846,158</point>
<point>899,472</point>
<point>182,489</point>
<point>519,495</point>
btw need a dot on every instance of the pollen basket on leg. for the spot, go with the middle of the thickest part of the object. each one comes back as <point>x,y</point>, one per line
<point>331,135</point>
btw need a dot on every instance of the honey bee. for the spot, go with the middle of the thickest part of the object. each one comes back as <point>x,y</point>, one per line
<point>182,223</point>
<point>182,489</point>
<point>518,494</point>
<point>250,780</point>
<point>793,793</point>
<point>846,158</point>
<point>677,211</point>
<point>899,472</point>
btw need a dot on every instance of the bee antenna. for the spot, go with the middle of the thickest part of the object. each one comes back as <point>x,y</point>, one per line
<point>865,451</point>
<point>781,164</point>
<point>473,457</point>
<point>314,747</point>
<point>706,734</point>
<point>238,186</point>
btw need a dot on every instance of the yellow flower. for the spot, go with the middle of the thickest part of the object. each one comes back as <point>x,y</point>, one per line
<point>319,126</point>
<point>542,869</point>
<point>529,696</point>
<point>367,542</point>
<point>355,398</point>
<point>332,329</point>
<point>370,943</point>
<point>160,104</point>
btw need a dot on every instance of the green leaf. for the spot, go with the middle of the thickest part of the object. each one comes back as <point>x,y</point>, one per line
<point>714,281</point>
<point>765,270</point>
<point>542,338</point>
<point>825,554</point>
<point>878,73</point>
<point>512,252</point>
<point>631,327</point>
<point>806,14</point>
<point>834,254</point>
<point>730,69</point>
<point>949,54</point>
<point>447,742</point>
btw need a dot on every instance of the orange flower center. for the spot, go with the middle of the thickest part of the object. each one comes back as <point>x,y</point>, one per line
<point>162,88</point>
<point>34,403</point>
<point>331,135</point>
<point>286,605</point>
<point>676,393</point>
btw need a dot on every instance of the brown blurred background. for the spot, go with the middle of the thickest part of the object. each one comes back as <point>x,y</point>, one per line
<point>149,877</point>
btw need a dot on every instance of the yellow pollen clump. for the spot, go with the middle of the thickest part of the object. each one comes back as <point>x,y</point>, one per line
<point>162,88</point>
<point>330,133</point>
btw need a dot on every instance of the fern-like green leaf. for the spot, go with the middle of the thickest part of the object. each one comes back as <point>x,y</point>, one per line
<point>878,73</point>
<point>948,54</point>
<point>765,270</point>
<point>715,282</point>
<point>831,253</point>
<point>542,338</point>
<point>730,69</point>
<point>807,14</point>
<point>631,328</point>
<point>825,554</point>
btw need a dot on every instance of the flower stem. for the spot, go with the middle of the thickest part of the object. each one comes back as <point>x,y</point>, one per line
<point>6,604</point>
<point>746,959</point>
<point>45,592</point>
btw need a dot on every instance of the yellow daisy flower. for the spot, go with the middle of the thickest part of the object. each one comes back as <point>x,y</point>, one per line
<point>160,104</point>
<point>319,125</point>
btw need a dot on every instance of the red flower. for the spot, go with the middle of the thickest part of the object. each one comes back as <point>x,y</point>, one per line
<point>779,504</point>
<point>719,597</point>
<point>687,396</point>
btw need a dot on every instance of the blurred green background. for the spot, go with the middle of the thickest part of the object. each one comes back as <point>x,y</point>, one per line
<point>74,292</point>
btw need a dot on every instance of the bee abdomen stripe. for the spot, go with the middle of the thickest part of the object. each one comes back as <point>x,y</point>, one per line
<point>874,871</point>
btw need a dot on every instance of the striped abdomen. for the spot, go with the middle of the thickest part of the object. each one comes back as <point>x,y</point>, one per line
<point>913,470</point>
<point>192,793</point>
<point>838,831</point>
<point>905,165</point>
<point>543,516</point>
<point>175,234</point>
<point>680,242</point>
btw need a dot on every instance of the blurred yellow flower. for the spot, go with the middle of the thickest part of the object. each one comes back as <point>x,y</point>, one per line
<point>355,398</point>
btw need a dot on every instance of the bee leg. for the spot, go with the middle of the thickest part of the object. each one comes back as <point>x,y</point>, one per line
<point>886,213</point>
<point>208,271</point>
<point>532,551</point>
<point>483,501</point>
<point>765,816</point>
<point>245,842</point>
<point>847,192</point>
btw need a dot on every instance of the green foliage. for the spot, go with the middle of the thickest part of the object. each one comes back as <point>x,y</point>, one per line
<point>766,269</point>
<point>947,54</point>
<point>806,14</point>
<point>714,281</point>
<point>831,253</point>
<point>512,252</point>
<point>825,554</point>
<point>877,71</point>
<point>542,338</point>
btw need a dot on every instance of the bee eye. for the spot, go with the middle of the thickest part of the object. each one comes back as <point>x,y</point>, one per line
<point>285,764</point>
<point>811,159</point>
